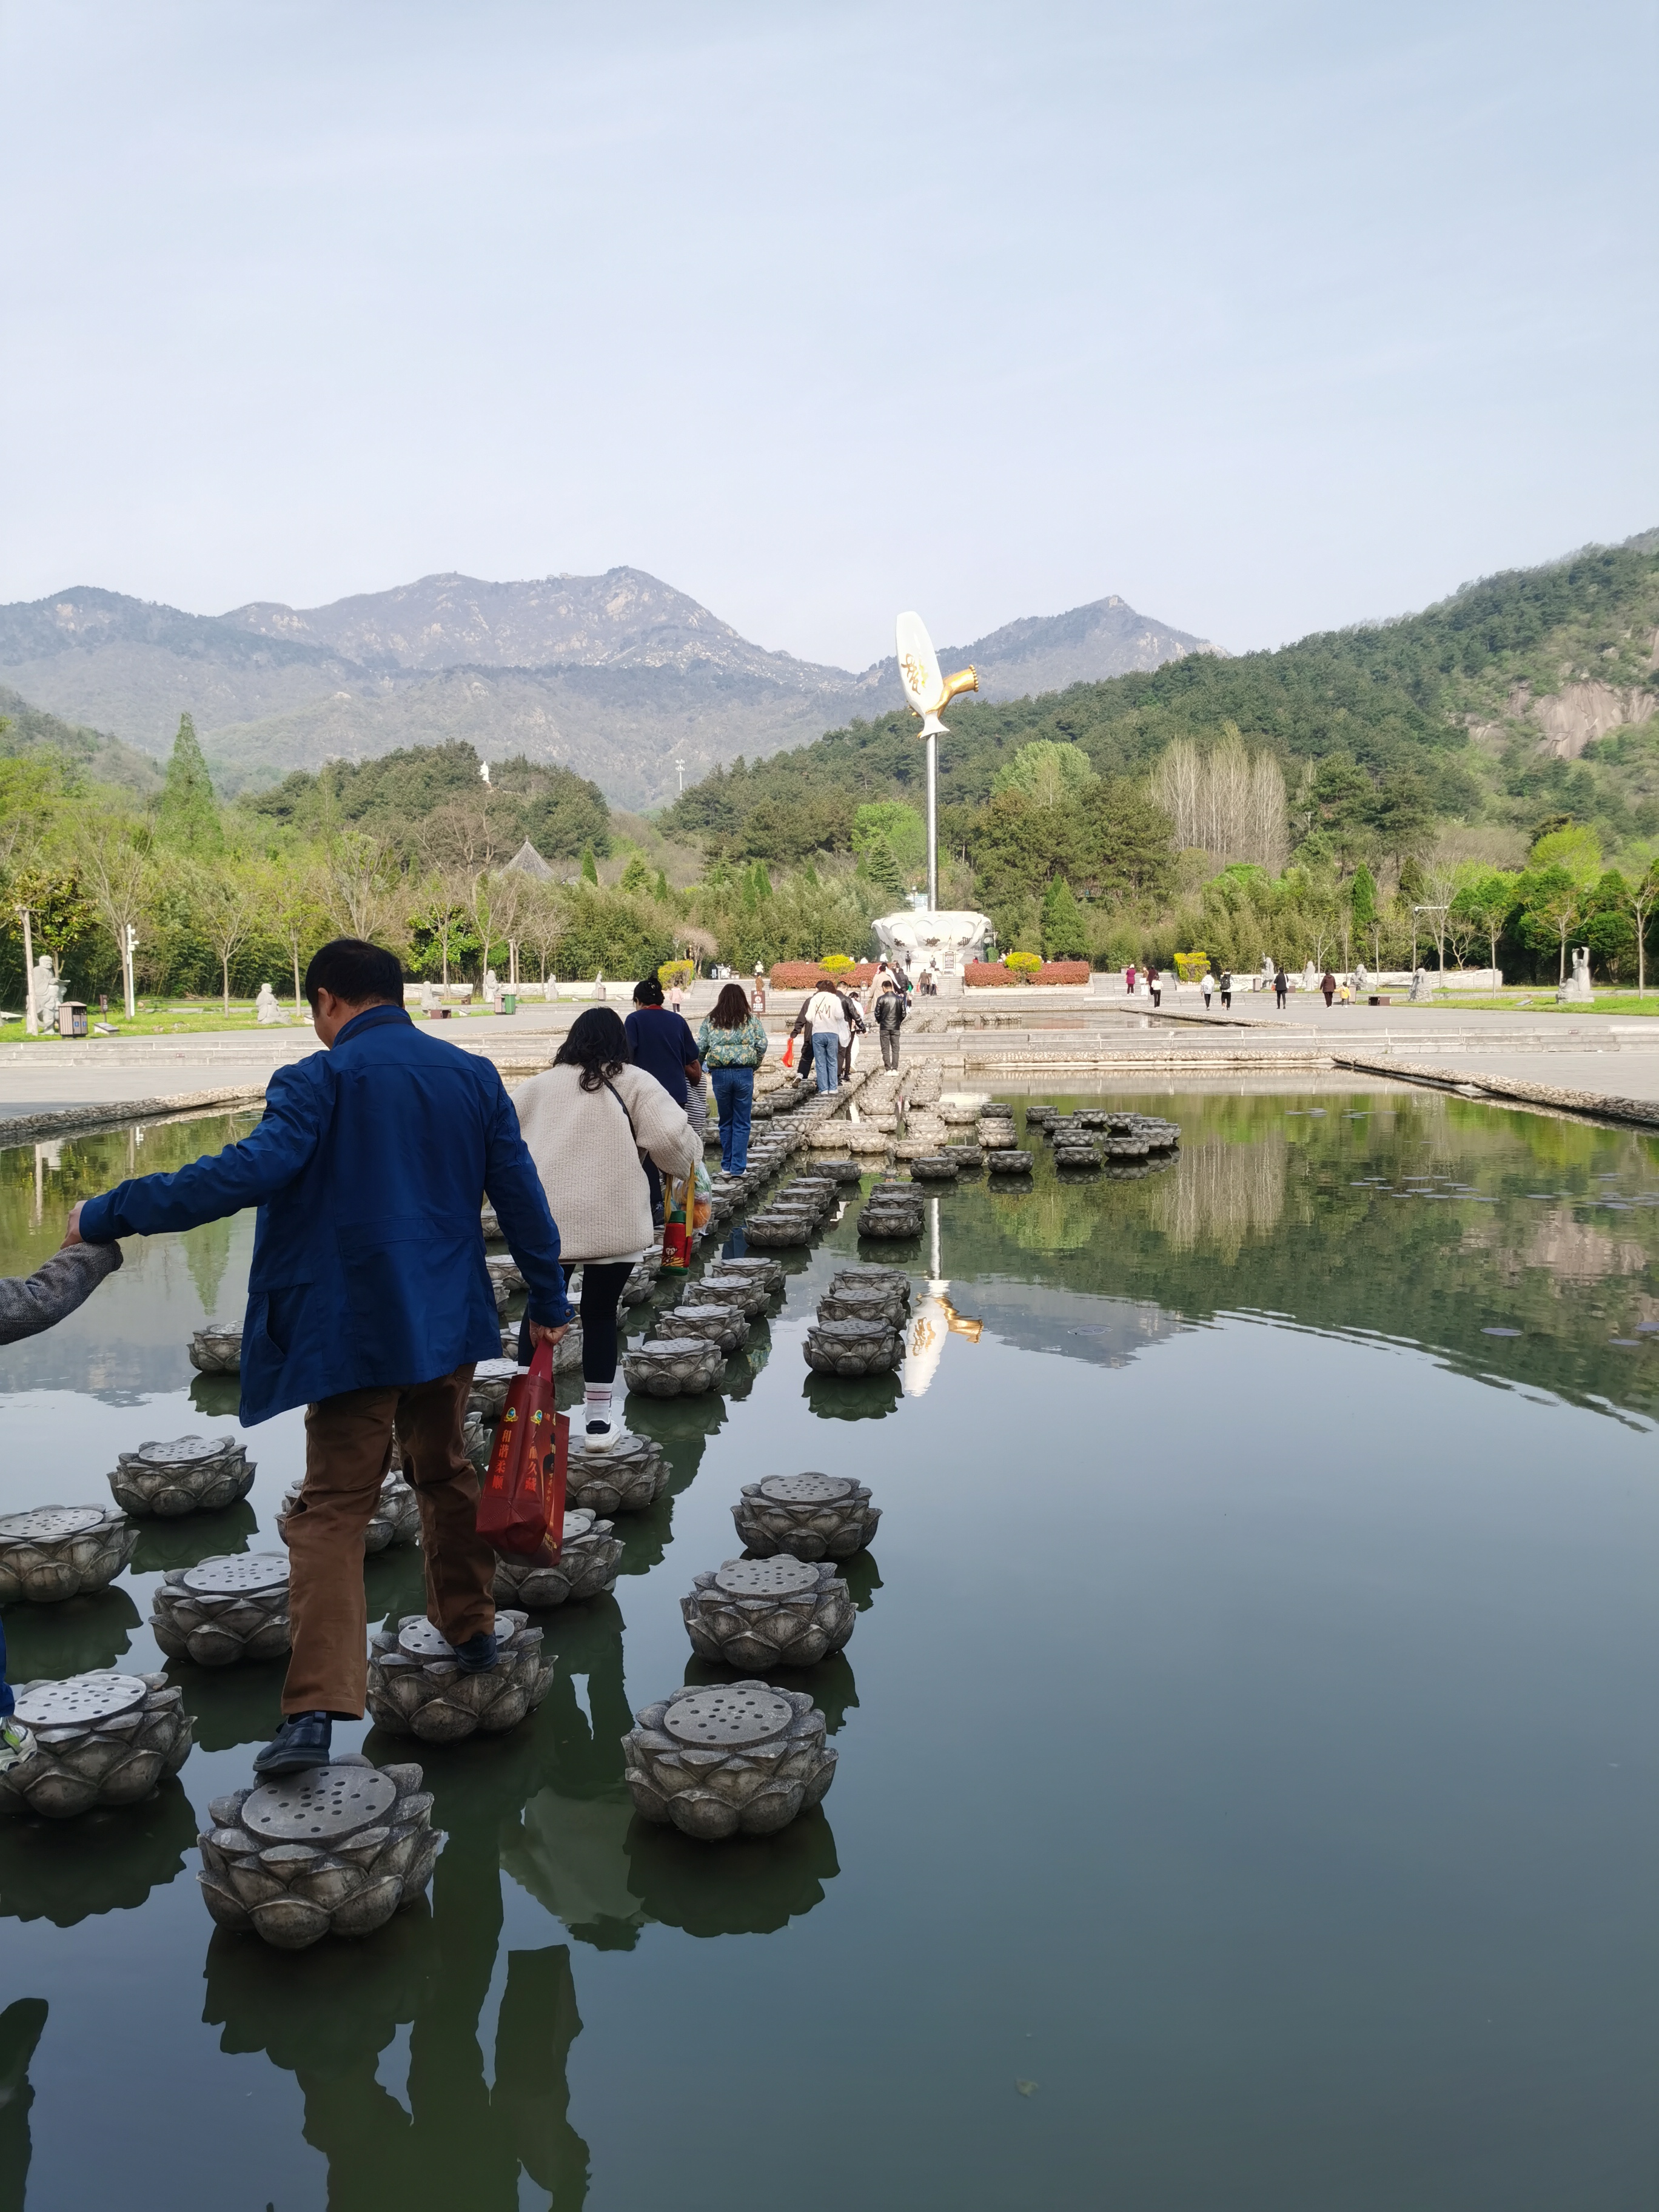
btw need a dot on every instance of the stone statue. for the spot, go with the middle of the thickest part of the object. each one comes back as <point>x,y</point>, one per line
<point>1310,977</point>
<point>266,1011</point>
<point>1362,982</point>
<point>48,992</point>
<point>431,996</point>
<point>1267,969</point>
<point>490,986</point>
<point>1578,985</point>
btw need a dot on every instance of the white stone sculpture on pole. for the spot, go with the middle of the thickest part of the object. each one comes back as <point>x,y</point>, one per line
<point>943,942</point>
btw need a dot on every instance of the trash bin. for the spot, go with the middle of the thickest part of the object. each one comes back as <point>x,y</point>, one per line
<point>71,1018</point>
<point>509,1002</point>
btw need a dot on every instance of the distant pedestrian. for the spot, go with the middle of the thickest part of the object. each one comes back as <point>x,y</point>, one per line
<point>759,994</point>
<point>676,996</point>
<point>821,1020</point>
<point>1206,984</point>
<point>890,1013</point>
<point>1226,987</point>
<point>589,1121</point>
<point>662,1044</point>
<point>368,1304</point>
<point>1327,985</point>
<point>731,1043</point>
<point>1155,984</point>
<point>851,1027</point>
<point>1281,984</point>
<point>29,1305</point>
<point>1129,980</point>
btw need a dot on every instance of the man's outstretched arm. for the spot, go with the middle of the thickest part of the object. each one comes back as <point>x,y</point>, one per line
<point>266,1161</point>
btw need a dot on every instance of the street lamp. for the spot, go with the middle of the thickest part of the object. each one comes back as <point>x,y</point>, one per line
<point>680,765</point>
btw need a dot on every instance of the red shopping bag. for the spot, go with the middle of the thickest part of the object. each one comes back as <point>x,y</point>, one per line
<point>789,1052</point>
<point>521,1507</point>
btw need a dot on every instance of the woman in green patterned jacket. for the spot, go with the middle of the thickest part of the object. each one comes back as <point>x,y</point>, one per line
<point>731,1044</point>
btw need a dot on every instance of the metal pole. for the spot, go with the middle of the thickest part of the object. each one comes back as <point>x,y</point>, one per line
<point>932,825</point>
<point>936,1255</point>
<point>30,1020</point>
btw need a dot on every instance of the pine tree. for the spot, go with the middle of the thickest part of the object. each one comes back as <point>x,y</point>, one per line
<point>187,816</point>
<point>635,877</point>
<point>881,868</point>
<point>1065,933</point>
<point>662,886</point>
<point>590,866</point>
<point>1362,897</point>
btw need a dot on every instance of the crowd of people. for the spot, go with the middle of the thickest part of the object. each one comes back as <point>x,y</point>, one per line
<point>369,1301</point>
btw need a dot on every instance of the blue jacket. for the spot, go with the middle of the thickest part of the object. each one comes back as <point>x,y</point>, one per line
<point>369,1171</point>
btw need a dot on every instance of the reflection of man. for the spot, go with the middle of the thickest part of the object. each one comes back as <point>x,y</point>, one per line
<point>328,2017</point>
<point>21,2027</point>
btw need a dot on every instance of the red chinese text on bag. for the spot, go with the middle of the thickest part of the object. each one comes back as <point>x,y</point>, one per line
<point>521,1506</point>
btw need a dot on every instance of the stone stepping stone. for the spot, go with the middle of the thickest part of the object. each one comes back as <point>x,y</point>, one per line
<point>745,1758</point>
<point>1007,1165</point>
<point>722,1324</point>
<point>58,1551</point>
<point>779,1611</point>
<point>810,1516</point>
<point>191,1474</point>
<point>217,1350</point>
<point>627,1478</point>
<point>673,1366</point>
<point>416,1686</point>
<point>224,1611</point>
<point>397,1515</point>
<point>104,1738</point>
<point>865,1347</point>
<point>334,1850</point>
<point>590,1557</point>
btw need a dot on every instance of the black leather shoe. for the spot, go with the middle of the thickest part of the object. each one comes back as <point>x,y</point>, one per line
<point>302,1740</point>
<point>478,1653</point>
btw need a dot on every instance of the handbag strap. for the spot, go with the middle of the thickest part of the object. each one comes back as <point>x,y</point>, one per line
<point>623,1102</point>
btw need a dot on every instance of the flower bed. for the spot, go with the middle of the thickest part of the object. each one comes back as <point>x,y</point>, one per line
<point>983,974</point>
<point>806,976</point>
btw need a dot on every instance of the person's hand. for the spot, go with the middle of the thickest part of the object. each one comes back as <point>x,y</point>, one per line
<point>540,1333</point>
<point>72,1234</point>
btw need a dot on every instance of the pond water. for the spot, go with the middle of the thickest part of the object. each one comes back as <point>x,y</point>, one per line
<point>1247,1797</point>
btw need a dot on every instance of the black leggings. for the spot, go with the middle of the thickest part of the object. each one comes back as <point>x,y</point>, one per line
<point>602,1290</point>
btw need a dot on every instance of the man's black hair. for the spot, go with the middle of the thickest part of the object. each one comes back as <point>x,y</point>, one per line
<point>647,992</point>
<point>360,973</point>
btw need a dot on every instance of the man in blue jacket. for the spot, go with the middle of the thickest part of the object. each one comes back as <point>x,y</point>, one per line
<point>369,1303</point>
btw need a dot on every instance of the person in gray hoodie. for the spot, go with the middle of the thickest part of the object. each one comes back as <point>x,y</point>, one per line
<point>28,1305</point>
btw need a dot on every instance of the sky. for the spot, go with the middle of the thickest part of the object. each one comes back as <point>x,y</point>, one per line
<point>1268,316</point>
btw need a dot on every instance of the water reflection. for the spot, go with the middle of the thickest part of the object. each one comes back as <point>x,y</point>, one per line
<point>75,1637</point>
<point>747,1886</point>
<point>108,1860</point>
<point>193,1537</point>
<point>22,2026</point>
<point>455,2137</point>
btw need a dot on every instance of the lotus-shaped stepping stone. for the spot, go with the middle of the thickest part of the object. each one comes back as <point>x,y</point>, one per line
<point>744,1294</point>
<point>810,1516</point>
<point>779,1611</point>
<point>191,1474</point>
<point>224,1610</point>
<point>217,1350</point>
<point>333,1850</point>
<point>1008,1163</point>
<point>627,1478</point>
<point>721,1324</point>
<point>934,1167</point>
<point>100,1739</point>
<point>891,1221</point>
<point>62,1551</point>
<point>780,1231</point>
<point>753,1267</point>
<point>589,1559</point>
<point>843,1170</point>
<point>395,1519</point>
<point>745,1758</point>
<point>416,1685</point>
<point>868,1346</point>
<point>642,1281</point>
<point>673,1366</point>
<point>876,1302</point>
<point>861,1282</point>
<point>491,1379</point>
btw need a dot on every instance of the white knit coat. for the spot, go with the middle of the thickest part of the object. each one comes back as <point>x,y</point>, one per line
<point>587,1157</point>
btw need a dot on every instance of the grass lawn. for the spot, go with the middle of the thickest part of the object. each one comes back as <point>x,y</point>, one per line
<point>157,1017</point>
<point>1540,998</point>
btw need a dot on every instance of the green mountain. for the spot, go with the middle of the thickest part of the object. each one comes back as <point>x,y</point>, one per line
<point>103,759</point>
<point>1524,694</point>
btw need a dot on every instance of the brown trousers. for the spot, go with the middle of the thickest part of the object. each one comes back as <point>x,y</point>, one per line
<point>348,1452</point>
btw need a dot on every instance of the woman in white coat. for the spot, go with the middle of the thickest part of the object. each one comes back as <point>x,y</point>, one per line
<point>587,1122</point>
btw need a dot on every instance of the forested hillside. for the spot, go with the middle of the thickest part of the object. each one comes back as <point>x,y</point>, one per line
<point>1298,803</point>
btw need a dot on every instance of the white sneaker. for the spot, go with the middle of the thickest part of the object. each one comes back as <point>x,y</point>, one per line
<point>16,1745</point>
<point>601,1435</point>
